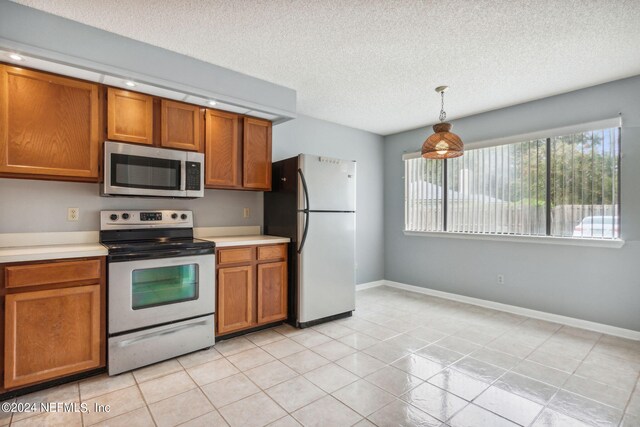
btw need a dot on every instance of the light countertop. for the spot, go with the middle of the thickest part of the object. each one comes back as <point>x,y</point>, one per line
<point>20,247</point>
<point>46,252</point>
<point>258,239</point>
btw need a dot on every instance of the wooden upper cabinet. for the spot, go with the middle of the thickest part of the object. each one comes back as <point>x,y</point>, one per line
<point>180,125</point>
<point>222,150</point>
<point>49,125</point>
<point>129,116</point>
<point>256,172</point>
<point>51,333</point>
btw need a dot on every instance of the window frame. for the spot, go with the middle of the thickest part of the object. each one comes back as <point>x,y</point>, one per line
<point>547,238</point>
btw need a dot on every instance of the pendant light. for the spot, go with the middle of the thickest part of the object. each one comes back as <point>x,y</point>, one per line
<point>443,144</point>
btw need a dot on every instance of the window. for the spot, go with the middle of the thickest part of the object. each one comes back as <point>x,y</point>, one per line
<point>565,186</point>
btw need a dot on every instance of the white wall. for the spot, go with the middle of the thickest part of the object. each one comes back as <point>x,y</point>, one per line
<point>597,284</point>
<point>313,136</point>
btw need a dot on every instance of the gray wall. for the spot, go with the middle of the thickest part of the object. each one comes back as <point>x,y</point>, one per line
<point>597,284</point>
<point>28,206</point>
<point>313,136</point>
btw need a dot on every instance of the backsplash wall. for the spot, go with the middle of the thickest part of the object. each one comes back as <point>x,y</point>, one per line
<point>28,206</point>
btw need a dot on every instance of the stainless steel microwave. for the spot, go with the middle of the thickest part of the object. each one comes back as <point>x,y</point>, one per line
<point>136,170</point>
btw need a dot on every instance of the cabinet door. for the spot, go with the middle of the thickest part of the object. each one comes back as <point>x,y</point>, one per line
<point>256,172</point>
<point>49,334</point>
<point>272,292</point>
<point>129,116</point>
<point>49,125</point>
<point>222,150</point>
<point>235,299</point>
<point>180,127</point>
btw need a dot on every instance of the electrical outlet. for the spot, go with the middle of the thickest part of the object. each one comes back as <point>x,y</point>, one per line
<point>73,214</point>
<point>245,213</point>
<point>500,280</point>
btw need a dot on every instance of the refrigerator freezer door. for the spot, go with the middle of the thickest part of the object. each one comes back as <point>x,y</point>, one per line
<point>327,266</point>
<point>331,184</point>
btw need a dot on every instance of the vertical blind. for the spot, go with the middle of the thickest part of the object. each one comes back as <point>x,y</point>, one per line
<point>424,198</point>
<point>566,186</point>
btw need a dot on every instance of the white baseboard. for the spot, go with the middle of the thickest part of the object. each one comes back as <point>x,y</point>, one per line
<point>550,317</point>
<point>370,285</point>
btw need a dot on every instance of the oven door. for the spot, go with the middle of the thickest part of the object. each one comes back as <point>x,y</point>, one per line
<point>133,170</point>
<point>150,292</point>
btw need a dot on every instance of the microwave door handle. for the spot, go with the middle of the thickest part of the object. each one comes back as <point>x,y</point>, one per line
<point>183,174</point>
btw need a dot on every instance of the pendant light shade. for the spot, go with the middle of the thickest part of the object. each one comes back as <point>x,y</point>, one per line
<point>442,144</point>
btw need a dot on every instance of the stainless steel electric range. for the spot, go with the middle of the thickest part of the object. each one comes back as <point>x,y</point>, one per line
<point>161,287</point>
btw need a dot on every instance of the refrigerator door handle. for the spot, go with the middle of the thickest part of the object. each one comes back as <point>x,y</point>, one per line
<point>305,210</point>
<point>305,190</point>
<point>306,229</point>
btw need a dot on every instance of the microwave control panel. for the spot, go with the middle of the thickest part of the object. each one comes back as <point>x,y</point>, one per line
<point>193,176</point>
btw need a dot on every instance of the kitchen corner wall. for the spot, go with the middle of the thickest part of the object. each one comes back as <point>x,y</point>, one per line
<point>312,136</point>
<point>596,284</point>
<point>28,206</point>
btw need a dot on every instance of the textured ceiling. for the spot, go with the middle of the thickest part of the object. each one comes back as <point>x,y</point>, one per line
<point>373,64</point>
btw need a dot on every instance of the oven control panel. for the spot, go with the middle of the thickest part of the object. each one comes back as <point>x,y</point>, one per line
<point>120,220</point>
<point>150,216</point>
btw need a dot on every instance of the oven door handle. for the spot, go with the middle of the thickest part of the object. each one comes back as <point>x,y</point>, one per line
<point>150,255</point>
<point>152,335</point>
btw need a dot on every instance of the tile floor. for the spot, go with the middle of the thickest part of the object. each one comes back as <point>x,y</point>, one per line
<point>402,359</point>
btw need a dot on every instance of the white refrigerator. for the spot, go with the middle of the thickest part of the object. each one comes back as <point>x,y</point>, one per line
<point>313,201</point>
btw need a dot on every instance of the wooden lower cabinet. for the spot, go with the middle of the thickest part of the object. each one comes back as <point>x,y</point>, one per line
<point>252,288</point>
<point>50,334</point>
<point>235,293</point>
<point>52,328</point>
<point>272,292</point>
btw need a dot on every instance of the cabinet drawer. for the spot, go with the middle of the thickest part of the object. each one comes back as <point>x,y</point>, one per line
<point>234,256</point>
<point>271,252</point>
<point>17,276</point>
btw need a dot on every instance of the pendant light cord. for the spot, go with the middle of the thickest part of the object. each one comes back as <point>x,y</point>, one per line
<point>443,115</point>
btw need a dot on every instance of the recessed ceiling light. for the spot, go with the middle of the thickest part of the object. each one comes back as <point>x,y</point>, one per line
<point>16,57</point>
<point>130,83</point>
<point>212,102</point>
